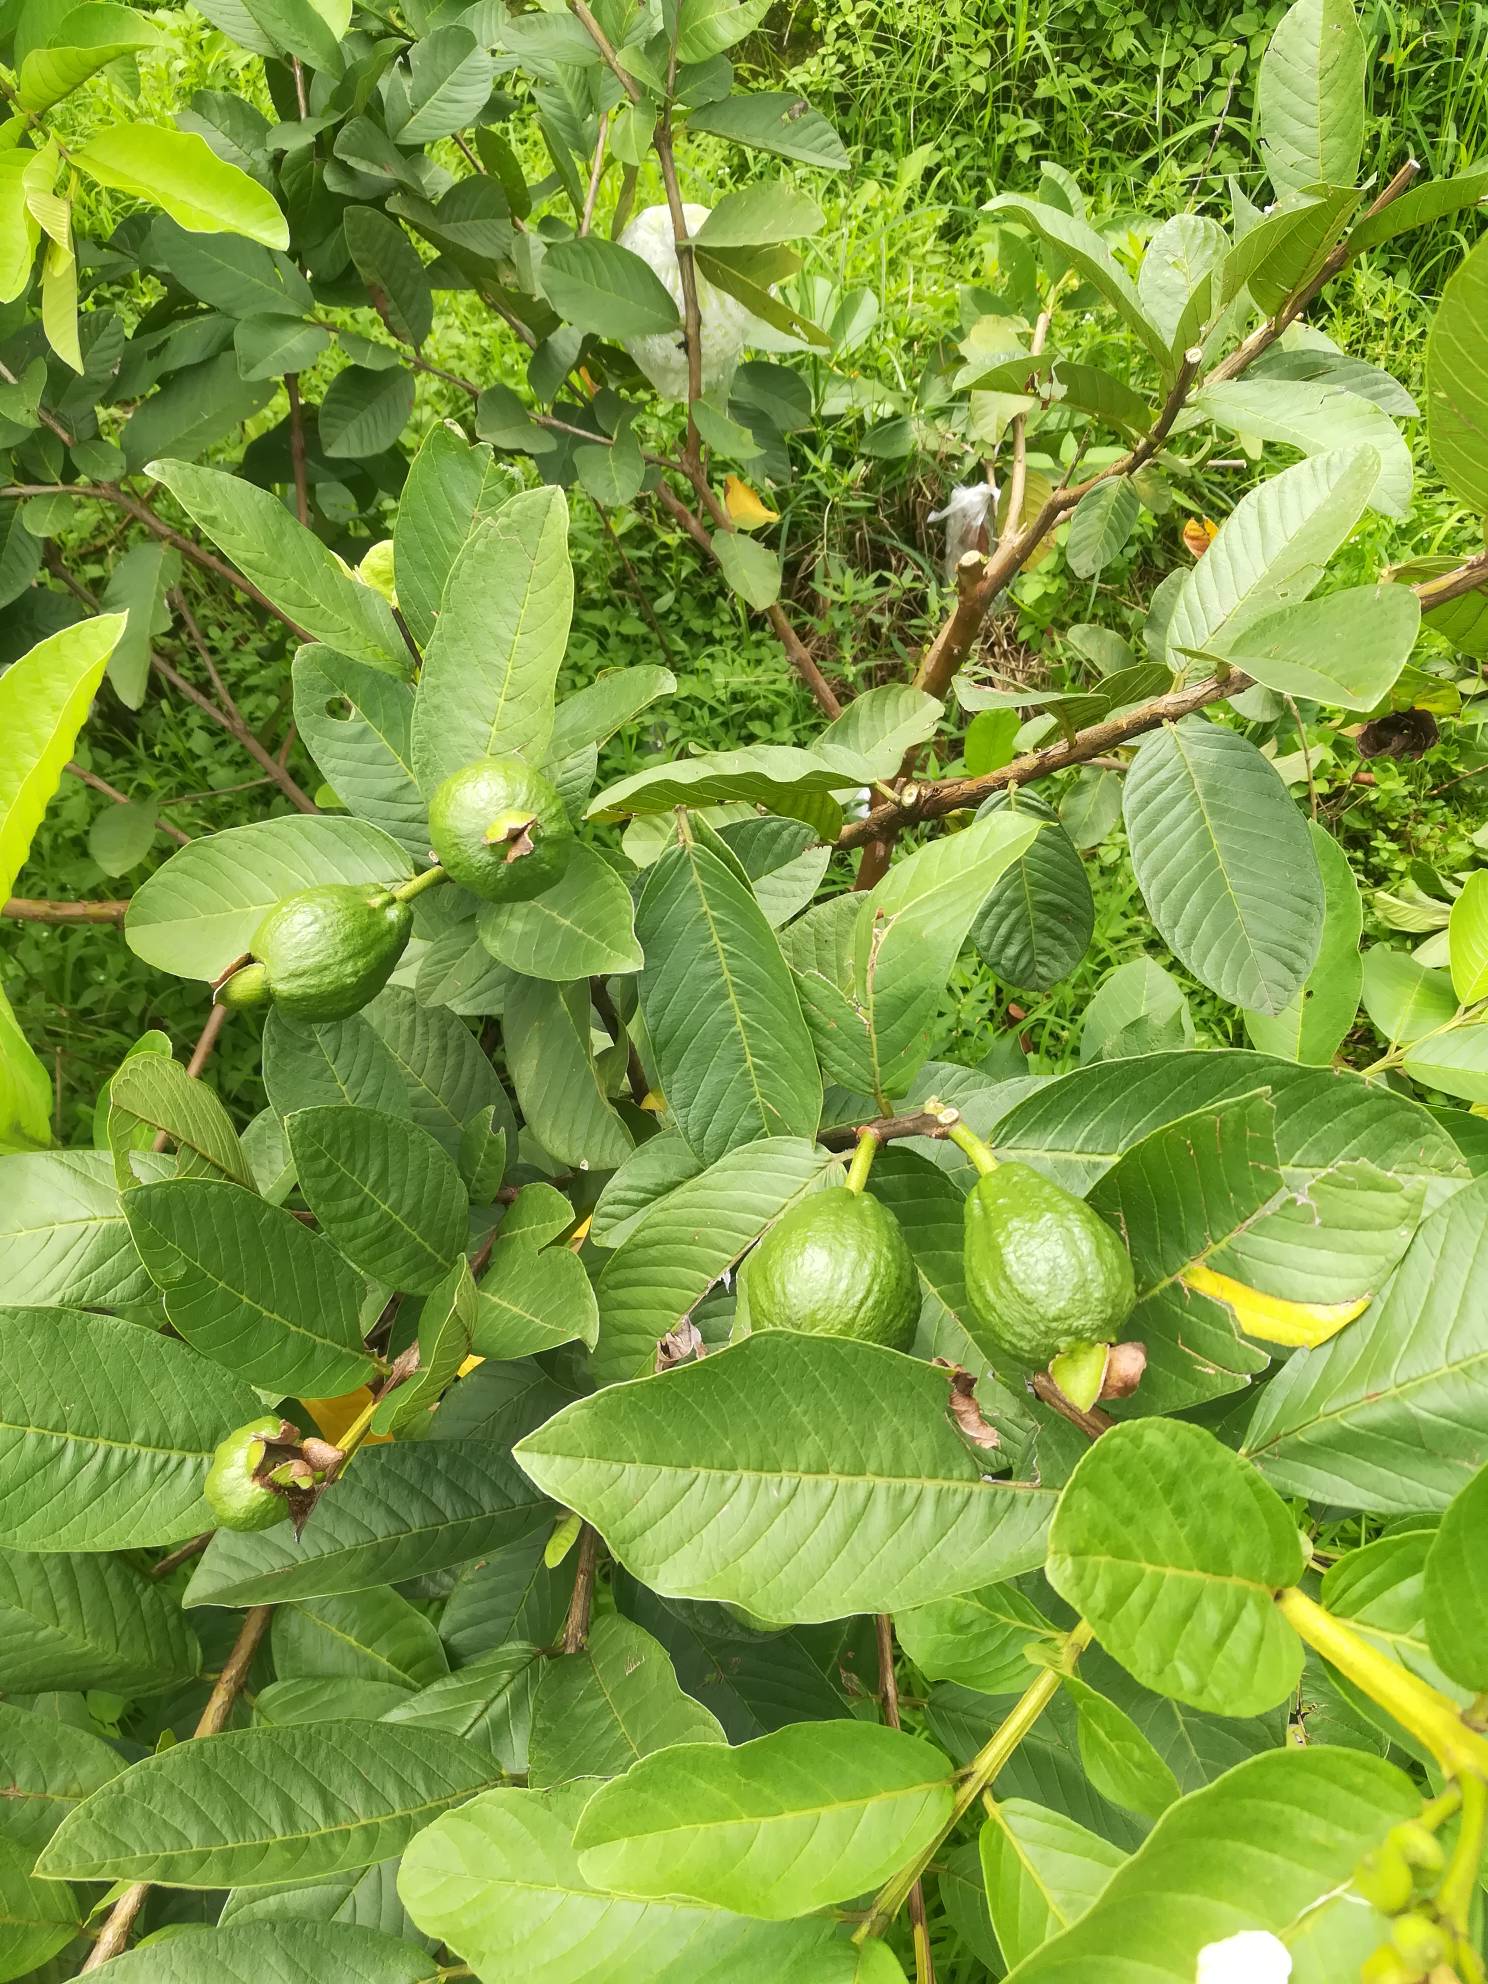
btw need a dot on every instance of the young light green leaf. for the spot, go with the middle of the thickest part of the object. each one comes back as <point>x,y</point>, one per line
<point>487,1702</point>
<point>1404,998</point>
<point>1467,940</point>
<point>292,1952</point>
<point>179,172</point>
<point>383,1191</point>
<point>1100,526</point>
<point>803,1477</point>
<point>1456,1591</point>
<point>599,286</point>
<point>980,1639</point>
<point>1042,1871</point>
<point>1225,863</point>
<point>1310,97</point>
<point>729,1048</point>
<point>450,488</point>
<point>582,927</point>
<point>1315,417</point>
<point>751,568</point>
<point>106,1431</point>
<point>201,909</point>
<point>528,1301</point>
<point>1036,925</point>
<point>1270,1846</point>
<point>489,672</point>
<point>63,1238</point>
<point>781,778</point>
<point>356,722</point>
<point>499,1881</point>
<point>153,1093</point>
<point>1079,244</point>
<point>44,701</point>
<point>775,121</point>
<point>1313,1024</point>
<point>1271,550</point>
<point>1457,383</point>
<point>257,1807</point>
<point>250,1287</point>
<point>599,1710</point>
<point>404,1511</point>
<point>88,1622</point>
<point>1118,1759</point>
<point>291,565</point>
<point>1345,649</point>
<point>910,932</point>
<point>1173,1548</point>
<point>1455,1061</point>
<point>813,1814</point>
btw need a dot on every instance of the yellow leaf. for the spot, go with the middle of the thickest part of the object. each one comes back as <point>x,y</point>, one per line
<point>744,507</point>
<point>334,1416</point>
<point>1298,1325</point>
<point>470,1364</point>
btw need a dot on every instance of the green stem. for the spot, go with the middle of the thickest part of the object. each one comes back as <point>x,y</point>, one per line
<point>1459,1883</point>
<point>430,879</point>
<point>966,1139</point>
<point>862,1160</point>
<point>1415,1706</point>
<point>981,1772</point>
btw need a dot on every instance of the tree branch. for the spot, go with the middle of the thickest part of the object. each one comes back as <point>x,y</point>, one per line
<point>225,711</point>
<point>32,910</point>
<point>576,1625</point>
<point>109,492</point>
<point>948,795</point>
<point>888,1692</point>
<point>214,1718</point>
<point>915,1123</point>
<point>123,799</point>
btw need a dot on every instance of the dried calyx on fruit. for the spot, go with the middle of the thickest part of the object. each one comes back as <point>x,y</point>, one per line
<point>501,830</point>
<point>243,1489</point>
<point>1048,1283</point>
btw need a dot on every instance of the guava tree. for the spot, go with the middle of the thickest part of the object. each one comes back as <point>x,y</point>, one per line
<point>632,1466</point>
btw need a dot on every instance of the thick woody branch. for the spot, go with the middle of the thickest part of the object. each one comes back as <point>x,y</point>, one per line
<point>915,1123</point>
<point>949,795</point>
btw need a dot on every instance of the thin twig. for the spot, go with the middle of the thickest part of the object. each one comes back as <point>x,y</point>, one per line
<point>108,492</point>
<point>1092,1424</point>
<point>123,799</point>
<point>581,1605</point>
<point>596,173</point>
<point>297,444</point>
<point>915,1123</point>
<point>214,1718</point>
<point>31,909</point>
<point>182,1555</point>
<point>936,797</point>
<point>888,1694</point>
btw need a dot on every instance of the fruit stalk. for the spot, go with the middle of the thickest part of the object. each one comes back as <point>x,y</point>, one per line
<point>862,1160</point>
<point>430,879</point>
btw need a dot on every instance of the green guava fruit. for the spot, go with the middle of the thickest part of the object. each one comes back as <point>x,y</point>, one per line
<point>236,1498</point>
<point>329,950</point>
<point>1044,1273</point>
<point>836,1265</point>
<point>499,828</point>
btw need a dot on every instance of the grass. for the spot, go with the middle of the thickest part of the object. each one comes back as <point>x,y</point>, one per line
<point>1150,104</point>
